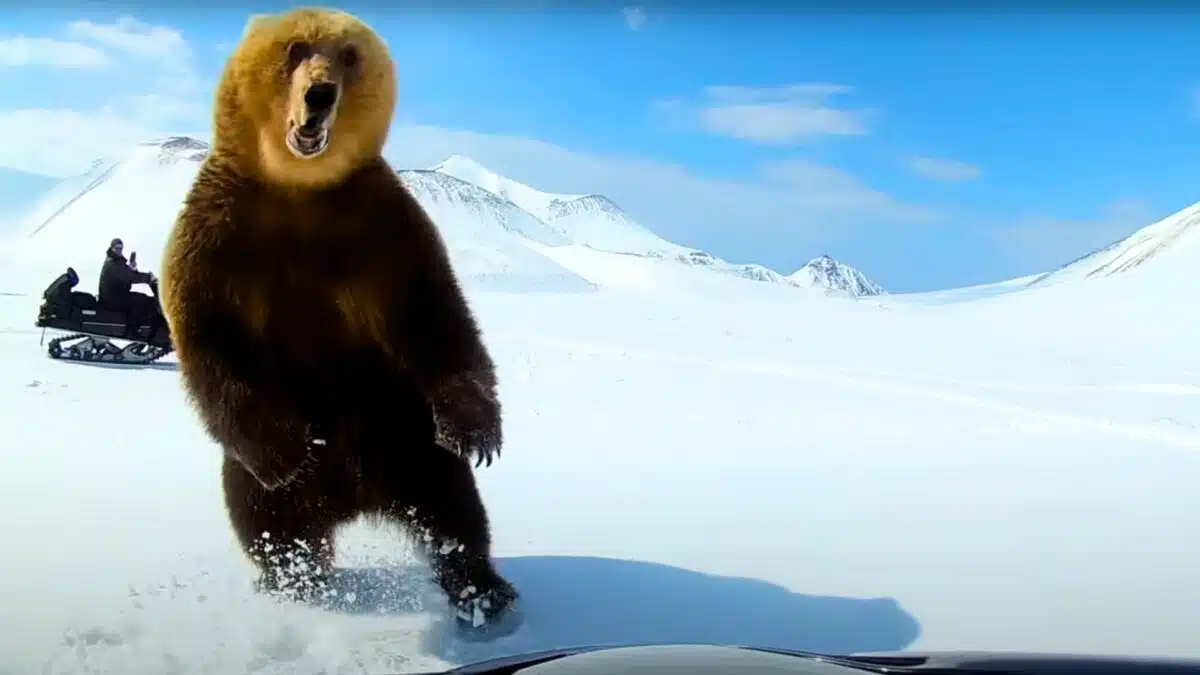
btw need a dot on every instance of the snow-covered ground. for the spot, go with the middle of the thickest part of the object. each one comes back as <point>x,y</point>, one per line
<point>689,457</point>
<point>1012,473</point>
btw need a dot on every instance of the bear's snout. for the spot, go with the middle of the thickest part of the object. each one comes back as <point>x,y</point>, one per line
<point>319,99</point>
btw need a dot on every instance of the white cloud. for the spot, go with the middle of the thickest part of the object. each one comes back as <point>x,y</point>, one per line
<point>779,116</point>
<point>133,37</point>
<point>23,51</point>
<point>161,47</point>
<point>805,91</point>
<point>945,170</point>
<point>163,92</point>
<point>635,17</point>
<point>1043,243</point>
<point>61,143</point>
<point>833,190</point>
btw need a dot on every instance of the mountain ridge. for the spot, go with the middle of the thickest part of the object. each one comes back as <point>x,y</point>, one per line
<point>1162,239</point>
<point>612,230</point>
<point>460,191</point>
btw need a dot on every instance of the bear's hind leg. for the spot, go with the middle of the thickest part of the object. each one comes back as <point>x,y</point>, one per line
<point>285,532</point>
<point>436,497</point>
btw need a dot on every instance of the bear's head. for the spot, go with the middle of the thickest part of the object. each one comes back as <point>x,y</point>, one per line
<point>306,98</point>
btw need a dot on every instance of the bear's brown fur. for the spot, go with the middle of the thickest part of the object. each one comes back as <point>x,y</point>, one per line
<point>321,332</point>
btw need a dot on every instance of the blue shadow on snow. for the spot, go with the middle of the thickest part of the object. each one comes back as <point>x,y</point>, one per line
<point>570,601</point>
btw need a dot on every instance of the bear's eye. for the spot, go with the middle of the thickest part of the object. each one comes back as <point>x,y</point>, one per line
<point>299,51</point>
<point>349,57</point>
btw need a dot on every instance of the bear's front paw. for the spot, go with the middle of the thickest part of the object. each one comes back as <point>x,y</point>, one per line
<point>467,416</point>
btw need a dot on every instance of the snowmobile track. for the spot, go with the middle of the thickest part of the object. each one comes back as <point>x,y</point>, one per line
<point>96,349</point>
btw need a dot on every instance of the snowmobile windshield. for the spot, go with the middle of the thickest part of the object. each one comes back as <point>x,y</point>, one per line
<point>719,660</point>
<point>690,659</point>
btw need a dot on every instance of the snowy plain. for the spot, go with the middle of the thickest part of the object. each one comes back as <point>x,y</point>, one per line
<point>689,457</point>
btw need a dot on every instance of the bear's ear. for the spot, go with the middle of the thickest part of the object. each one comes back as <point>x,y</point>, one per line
<point>255,21</point>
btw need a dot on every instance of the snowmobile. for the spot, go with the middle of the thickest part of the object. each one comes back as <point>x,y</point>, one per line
<point>92,329</point>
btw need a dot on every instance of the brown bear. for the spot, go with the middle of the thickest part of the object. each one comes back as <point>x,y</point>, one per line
<point>321,332</point>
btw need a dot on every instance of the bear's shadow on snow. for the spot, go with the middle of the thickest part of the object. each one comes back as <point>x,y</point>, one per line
<point>573,601</point>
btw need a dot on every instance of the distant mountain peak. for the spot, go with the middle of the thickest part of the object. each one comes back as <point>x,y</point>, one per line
<point>179,143</point>
<point>458,162</point>
<point>435,187</point>
<point>172,149</point>
<point>562,207</point>
<point>833,276</point>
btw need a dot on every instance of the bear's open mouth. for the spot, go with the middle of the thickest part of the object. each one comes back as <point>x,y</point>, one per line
<point>307,143</point>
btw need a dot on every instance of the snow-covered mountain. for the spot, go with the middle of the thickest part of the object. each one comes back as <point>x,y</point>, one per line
<point>597,222</point>
<point>501,233</point>
<point>135,197</point>
<point>438,189</point>
<point>1172,242</point>
<point>835,278</point>
<point>487,235</point>
<point>590,220</point>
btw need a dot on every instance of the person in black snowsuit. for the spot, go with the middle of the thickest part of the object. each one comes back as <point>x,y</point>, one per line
<point>117,277</point>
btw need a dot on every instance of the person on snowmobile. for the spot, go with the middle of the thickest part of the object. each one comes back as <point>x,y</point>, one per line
<point>117,277</point>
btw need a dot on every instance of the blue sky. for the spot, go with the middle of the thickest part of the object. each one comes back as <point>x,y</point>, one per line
<point>928,149</point>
